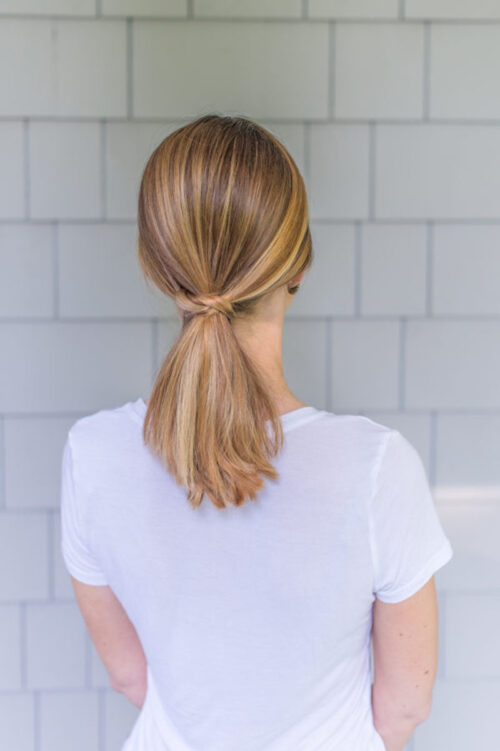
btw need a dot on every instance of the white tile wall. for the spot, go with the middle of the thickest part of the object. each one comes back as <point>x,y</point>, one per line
<point>12,174</point>
<point>370,85</point>
<point>62,713</point>
<point>453,9</point>
<point>65,170</point>
<point>27,280</point>
<point>372,9</point>
<point>10,647</point>
<point>466,270</point>
<point>465,71</point>
<point>64,67</point>
<point>437,171</point>
<point>55,645</point>
<point>338,177</point>
<point>402,248</point>
<point>244,9</point>
<point>250,50</point>
<point>391,112</point>
<point>24,556</point>
<point>17,729</point>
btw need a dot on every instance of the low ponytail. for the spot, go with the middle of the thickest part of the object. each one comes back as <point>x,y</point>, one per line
<point>222,218</point>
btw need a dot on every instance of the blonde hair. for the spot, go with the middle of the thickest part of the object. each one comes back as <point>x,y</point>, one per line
<point>222,220</point>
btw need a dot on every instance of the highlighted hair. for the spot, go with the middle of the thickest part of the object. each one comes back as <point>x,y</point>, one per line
<point>222,220</point>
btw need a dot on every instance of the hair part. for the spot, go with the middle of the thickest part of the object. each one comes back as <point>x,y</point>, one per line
<point>222,221</point>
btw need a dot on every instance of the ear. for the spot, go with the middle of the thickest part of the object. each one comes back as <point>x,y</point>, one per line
<point>297,279</point>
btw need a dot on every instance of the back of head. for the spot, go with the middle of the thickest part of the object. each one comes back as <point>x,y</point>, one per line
<point>222,220</point>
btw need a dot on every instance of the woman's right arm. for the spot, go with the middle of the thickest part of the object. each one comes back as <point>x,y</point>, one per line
<point>405,655</point>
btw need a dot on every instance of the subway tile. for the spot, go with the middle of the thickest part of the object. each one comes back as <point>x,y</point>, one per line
<point>338,180</point>
<point>463,717</point>
<point>365,356</point>
<point>167,8</point>
<point>304,342</point>
<point>367,83</point>
<point>10,649</point>
<point>42,439</point>
<point>464,71</point>
<point>243,9</point>
<point>420,171</point>
<point>328,287</point>
<point>468,455</point>
<point>472,620</point>
<point>354,9</point>
<point>452,364</point>
<point>72,714</point>
<point>473,527</point>
<point>71,68</point>
<point>49,7</point>
<point>79,366</point>
<point>66,157</point>
<point>24,556</point>
<point>12,200</point>
<point>27,270</point>
<point>55,645</point>
<point>452,9</point>
<point>17,726</point>
<point>266,61</point>
<point>466,270</point>
<point>393,269</point>
<point>102,257</point>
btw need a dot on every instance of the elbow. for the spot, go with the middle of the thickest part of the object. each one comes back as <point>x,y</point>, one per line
<point>134,692</point>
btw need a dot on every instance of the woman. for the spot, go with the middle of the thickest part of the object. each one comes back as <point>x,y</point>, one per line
<point>233,549</point>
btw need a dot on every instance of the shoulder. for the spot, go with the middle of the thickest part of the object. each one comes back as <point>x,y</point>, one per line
<point>356,431</point>
<point>97,439</point>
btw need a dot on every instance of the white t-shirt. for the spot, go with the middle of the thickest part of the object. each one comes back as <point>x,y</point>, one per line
<point>255,620</point>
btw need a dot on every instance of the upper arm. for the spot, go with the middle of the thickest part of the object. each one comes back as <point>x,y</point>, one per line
<point>110,629</point>
<point>408,546</point>
<point>112,633</point>
<point>405,653</point>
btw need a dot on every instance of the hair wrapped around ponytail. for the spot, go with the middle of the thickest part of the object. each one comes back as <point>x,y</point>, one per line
<point>223,220</point>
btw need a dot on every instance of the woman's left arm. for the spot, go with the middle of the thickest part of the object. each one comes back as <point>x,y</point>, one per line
<point>114,638</point>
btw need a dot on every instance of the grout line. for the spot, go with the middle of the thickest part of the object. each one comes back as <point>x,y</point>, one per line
<point>329,332</point>
<point>129,63</point>
<point>168,19</point>
<point>432,457</point>
<point>402,360</point>
<point>56,312</point>
<point>358,260</point>
<point>27,166</point>
<point>332,66</point>
<point>3,463</point>
<point>50,554</point>
<point>306,146</point>
<point>102,160</point>
<point>37,720</point>
<point>372,166</point>
<point>473,122</point>
<point>334,221</point>
<point>429,272</point>
<point>305,9</point>
<point>23,644</point>
<point>101,719</point>
<point>87,678</point>
<point>98,8</point>
<point>426,72</point>
<point>401,10</point>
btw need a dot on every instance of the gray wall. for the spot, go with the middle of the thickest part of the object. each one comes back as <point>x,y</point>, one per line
<point>392,112</point>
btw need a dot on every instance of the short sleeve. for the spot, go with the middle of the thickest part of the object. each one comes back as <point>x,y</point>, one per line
<point>408,543</point>
<point>74,547</point>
